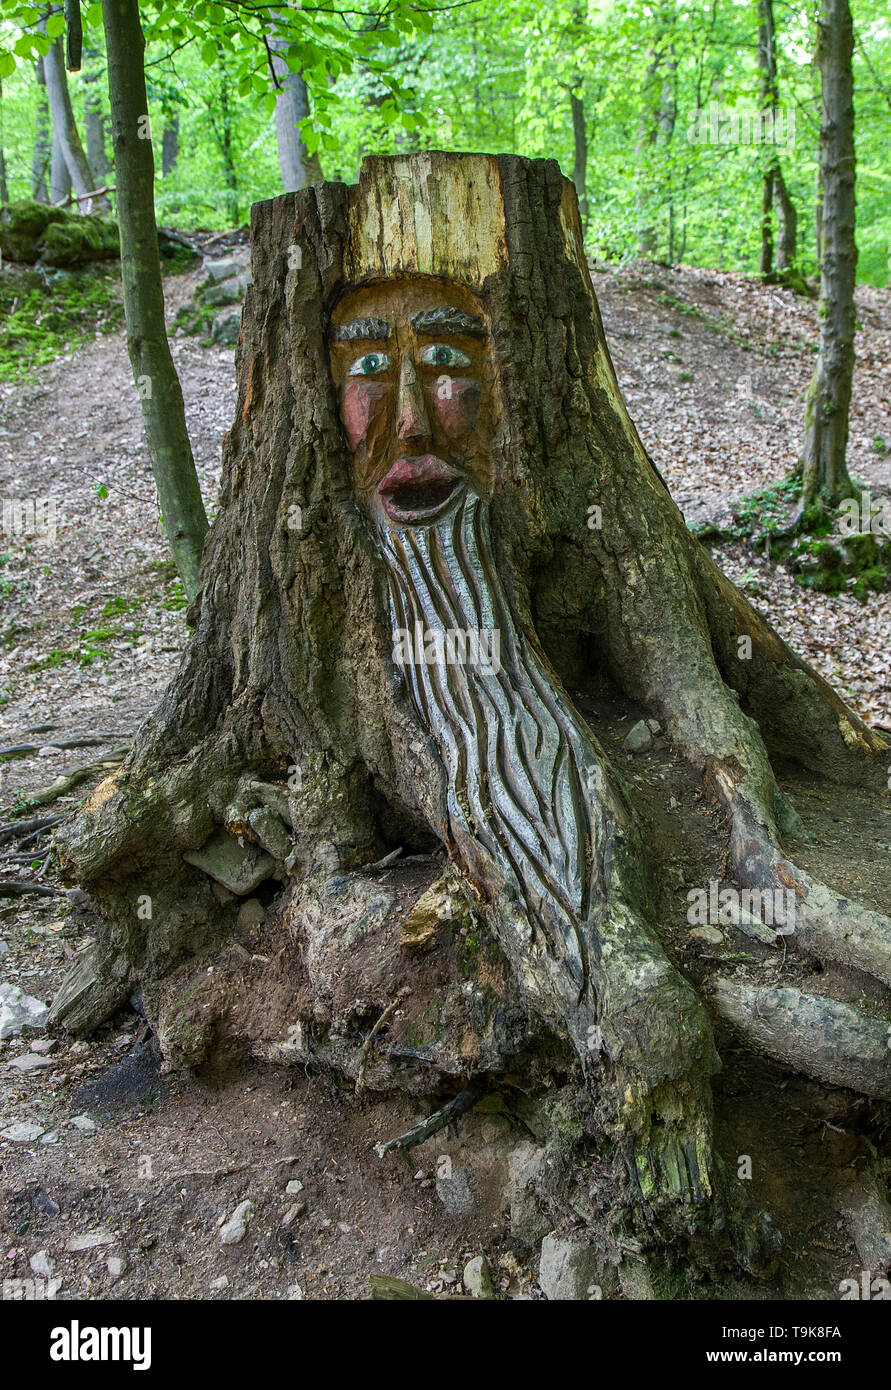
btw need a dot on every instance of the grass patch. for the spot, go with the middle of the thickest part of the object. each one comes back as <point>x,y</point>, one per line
<point>44,313</point>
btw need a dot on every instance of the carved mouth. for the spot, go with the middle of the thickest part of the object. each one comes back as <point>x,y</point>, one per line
<point>418,489</point>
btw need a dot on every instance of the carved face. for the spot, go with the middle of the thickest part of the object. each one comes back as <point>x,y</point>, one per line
<point>411,363</point>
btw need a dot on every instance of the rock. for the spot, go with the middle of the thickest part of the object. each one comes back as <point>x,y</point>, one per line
<point>229,291</point>
<point>4,948</point>
<point>293,1213</point>
<point>227,326</point>
<point>293,1187</point>
<point>18,1011</point>
<point>528,1222</point>
<point>571,1270</point>
<point>710,935</point>
<point>51,1137</point>
<point>44,1046</point>
<point>42,1265</point>
<point>240,868</point>
<point>222,269</point>
<point>477,1278</point>
<point>31,1061</point>
<point>251,913</point>
<point>295,1293</point>
<point>235,1229</point>
<point>434,907</point>
<point>22,1132</point>
<point>116,1266</point>
<point>869,1218</point>
<point>271,831</point>
<point>221,1283</point>
<point>639,738</point>
<point>83,1123</point>
<point>455,1194</point>
<point>91,1240</point>
<point>41,1201</point>
<point>654,726</point>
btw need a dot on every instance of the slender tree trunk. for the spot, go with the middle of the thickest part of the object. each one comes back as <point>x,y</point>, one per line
<point>298,167</point>
<point>223,132</point>
<point>824,467</point>
<point>775,194</point>
<point>170,146</point>
<point>155,376</point>
<point>4,185</point>
<point>94,117</point>
<point>65,127</point>
<point>43,141</point>
<point>580,155</point>
<point>787,244</point>
<point>60,179</point>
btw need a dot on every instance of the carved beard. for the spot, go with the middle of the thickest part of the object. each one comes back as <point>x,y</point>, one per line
<point>520,763</point>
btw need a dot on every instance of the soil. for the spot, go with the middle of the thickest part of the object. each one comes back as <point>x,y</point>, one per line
<point>162,1159</point>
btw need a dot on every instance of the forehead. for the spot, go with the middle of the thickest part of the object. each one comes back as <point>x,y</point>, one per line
<point>426,304</point>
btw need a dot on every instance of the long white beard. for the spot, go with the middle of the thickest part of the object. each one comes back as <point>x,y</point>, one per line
<point>520,763</point>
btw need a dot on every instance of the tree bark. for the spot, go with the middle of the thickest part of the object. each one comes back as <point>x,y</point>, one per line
<point>298,167</point>
<point>40,159</point>
<point>295,753</point>
<point>60,179</point>
<point>94,118</point>
<point>580,155</point>
<point>65,129</point>
<point>170,146</point>
<point>4,186</point>
<point>775,193</point>
<point>155,376</point>
<point>824,467</point>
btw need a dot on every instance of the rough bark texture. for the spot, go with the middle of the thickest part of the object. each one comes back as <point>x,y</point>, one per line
<point>153,370</point>
<point>298,167</point>
<point>825,473</point>
<point>40,159</point>
<point>288,748</point>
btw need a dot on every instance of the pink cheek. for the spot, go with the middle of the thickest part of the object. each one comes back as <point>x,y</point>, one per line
<point>457,402</point>
<point>361,403</point>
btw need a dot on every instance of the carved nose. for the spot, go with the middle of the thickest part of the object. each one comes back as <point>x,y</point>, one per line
<point>411,418</point>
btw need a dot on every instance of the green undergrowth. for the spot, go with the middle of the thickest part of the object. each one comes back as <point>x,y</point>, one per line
<point>44,313</point>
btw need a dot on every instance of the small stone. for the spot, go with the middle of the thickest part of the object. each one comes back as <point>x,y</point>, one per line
<point>654,726</point>
<point>639,738</point>
<point>571,1271</point>
<point>43,1046</point>
<point>271,831</point>
<point>89,1241</point>
<point>235,1229</point>
<point>240,868</point>
<point>251,913</point>
<point>455,1194</point>
<point>710,935</point>
<point>221,1283</point>
<point>293,1187</point>
<point>116,1266</point>
<point>42,1265</point>
<point>49,750</point>
<point>295,1293</point>
<point>51,1137</point>
<point>18,1011</point>
<point>83,1123</point>
<point>293,1213</point>
<point>31,1062</point>
<point>22,1132</point>
<point>477,1278</point>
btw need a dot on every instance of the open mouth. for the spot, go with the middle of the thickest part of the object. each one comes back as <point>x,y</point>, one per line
<point>417,489</point>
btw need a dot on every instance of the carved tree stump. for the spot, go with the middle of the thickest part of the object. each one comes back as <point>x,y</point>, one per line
<point>436,518</point>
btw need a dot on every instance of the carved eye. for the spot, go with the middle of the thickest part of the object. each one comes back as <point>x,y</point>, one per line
<point>441,355</point>
<point>370,364</point>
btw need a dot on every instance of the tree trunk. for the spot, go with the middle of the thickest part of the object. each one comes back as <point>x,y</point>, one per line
<point>580,155</point>
<point>824,467</point>
<point>775,192</point>
<point>65,129</point>
<point>94,118</point>
<point>436,520</point>
<point>155,376</point>
<point>170,146</point>
<point>43,141</point>
<point>4,186</point>
<point>298,167</point>
<point>60,179</point>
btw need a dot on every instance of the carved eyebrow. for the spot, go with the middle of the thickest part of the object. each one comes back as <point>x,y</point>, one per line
<point>362,330</point>
<point>448,320</point>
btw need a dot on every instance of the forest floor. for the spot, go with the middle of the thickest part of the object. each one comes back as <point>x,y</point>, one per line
<point>128,1164</point>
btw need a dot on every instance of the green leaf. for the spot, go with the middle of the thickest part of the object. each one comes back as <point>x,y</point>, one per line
<point>7,65</point>
<point>55,25</point>
<point>93,16</point>
<point>208,52</point>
